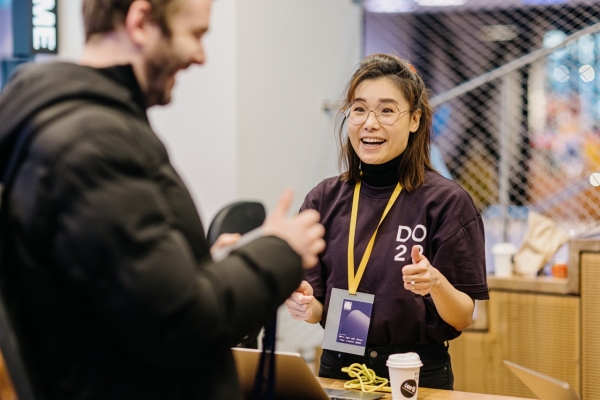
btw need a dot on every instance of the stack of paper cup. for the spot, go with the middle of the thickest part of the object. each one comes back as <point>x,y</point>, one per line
<point>404,375</point>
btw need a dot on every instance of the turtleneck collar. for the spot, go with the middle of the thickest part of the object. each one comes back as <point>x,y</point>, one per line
<point>124,75</point>
<point>381,175</point>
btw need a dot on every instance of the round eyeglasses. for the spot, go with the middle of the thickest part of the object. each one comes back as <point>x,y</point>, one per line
<point>387,113</point>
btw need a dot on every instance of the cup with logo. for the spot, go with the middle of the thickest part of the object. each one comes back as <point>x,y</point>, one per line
<point>404,375</point>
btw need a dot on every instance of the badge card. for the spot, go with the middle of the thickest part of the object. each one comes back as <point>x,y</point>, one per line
<point>348,320</point>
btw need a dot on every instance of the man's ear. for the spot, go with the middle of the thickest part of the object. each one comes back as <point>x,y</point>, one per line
<point>137,21</point>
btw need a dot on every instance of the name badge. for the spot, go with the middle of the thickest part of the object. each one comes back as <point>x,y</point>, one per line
<point>348,320</point>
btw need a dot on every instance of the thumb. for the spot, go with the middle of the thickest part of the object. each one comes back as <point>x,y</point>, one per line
<point>305,289</point>
<point>285,201</point>
<point>416,255</point>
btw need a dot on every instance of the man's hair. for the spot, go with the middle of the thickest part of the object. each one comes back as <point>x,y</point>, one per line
<point>104,16</point>
<point>415,158</point>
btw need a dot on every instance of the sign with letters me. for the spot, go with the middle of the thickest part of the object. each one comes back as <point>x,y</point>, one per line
<point>35,27</point>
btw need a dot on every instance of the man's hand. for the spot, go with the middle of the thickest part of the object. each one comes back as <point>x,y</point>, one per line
<point>420,276</point>
<point>225,239</point>
<point>299,303</point>
<point>302,232</point>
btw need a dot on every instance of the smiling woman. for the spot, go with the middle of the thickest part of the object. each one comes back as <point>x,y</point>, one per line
<point>391,89</point>
<point>380,133</point>
<point>403,242</point>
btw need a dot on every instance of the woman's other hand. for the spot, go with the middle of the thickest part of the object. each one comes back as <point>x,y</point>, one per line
<point>303,306</point>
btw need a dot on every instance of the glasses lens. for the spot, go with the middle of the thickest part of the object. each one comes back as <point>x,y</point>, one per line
<point>357,113</point>
<point>387,113</point>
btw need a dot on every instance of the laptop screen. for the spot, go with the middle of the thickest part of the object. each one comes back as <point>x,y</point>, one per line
<point>294,380</point>
<point>544,386</point>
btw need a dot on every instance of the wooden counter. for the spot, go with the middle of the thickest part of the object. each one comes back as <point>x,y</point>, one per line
<point>548,324</point>
<point>539,284</point>
<point>428,394</point>
<point>546,284</point>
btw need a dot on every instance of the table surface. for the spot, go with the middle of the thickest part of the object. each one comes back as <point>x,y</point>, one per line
<point>428,394</point>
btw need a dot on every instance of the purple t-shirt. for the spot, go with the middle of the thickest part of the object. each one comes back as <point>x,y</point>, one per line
<point>440,216</point>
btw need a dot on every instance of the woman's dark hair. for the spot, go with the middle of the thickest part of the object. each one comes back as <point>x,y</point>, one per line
<point>104,16</point>
<point>415,158</point>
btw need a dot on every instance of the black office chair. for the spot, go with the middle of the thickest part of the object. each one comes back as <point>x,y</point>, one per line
<point>239,217</point>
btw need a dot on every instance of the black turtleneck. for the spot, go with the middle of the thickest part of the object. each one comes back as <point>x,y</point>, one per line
<point>381,175</point>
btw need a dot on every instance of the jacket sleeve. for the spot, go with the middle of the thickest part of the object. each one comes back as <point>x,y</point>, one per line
<point>117,244</point>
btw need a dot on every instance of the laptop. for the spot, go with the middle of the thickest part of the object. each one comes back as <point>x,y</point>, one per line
<point>544,386</point>
<point>293,378</point>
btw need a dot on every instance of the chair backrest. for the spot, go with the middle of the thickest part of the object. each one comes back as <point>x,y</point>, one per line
<point>239,217</point>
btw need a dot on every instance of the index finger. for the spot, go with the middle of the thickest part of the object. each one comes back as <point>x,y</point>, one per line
<point>412,269</point>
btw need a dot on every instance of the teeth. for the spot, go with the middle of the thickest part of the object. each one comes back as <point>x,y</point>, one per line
<point>373,141</point>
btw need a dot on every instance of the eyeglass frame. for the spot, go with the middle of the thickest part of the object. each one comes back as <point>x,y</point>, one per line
<point>347,109</point>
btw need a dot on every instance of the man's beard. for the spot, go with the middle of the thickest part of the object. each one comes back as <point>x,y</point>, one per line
<point>161,65</point>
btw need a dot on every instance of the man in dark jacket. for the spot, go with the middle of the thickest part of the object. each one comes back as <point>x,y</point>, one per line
<point>106,269</point>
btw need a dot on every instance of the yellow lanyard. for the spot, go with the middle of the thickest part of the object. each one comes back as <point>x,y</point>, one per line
<point>353,280</point>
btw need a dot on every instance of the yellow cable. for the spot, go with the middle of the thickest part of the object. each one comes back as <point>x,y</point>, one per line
<point>365,379</point>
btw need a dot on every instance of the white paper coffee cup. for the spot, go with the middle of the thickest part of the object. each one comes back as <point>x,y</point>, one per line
<point>503,253</point>
<point>404,371</point>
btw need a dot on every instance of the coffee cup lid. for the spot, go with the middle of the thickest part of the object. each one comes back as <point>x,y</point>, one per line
<point>504,249</point>
<point>404,360</point>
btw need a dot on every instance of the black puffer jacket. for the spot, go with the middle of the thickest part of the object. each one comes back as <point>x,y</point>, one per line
<point>106,268</point>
